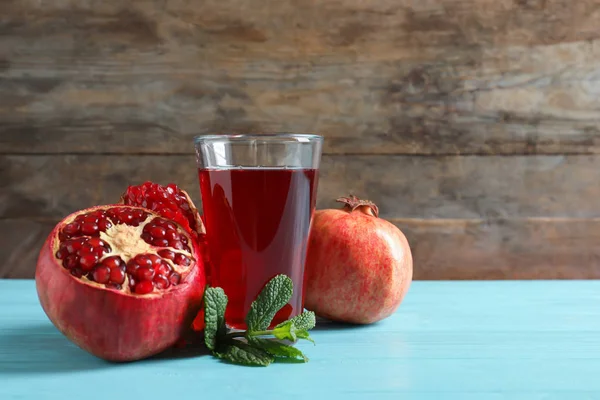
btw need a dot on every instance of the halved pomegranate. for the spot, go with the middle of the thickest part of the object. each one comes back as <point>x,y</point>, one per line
<point>121,282</point>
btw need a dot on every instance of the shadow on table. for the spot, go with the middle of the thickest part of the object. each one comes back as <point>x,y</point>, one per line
<point>43,349</point>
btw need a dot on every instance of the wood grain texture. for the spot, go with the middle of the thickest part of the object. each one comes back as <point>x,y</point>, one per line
<point>442,249</point>
<point>448,340</point>
<point>403,186</point>
<point>474,124</point>
<point>385,76</point>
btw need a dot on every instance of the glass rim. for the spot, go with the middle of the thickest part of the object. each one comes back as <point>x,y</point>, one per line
<point>267,137</point>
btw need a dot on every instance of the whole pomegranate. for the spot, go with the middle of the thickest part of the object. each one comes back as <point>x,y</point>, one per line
<point>358,266</point>
<point>121,282</point>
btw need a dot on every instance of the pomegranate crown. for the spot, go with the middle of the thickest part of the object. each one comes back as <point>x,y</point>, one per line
<point>352,203</point>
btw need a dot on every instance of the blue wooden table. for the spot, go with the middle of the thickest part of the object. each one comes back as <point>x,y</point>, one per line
<point>449,340</point>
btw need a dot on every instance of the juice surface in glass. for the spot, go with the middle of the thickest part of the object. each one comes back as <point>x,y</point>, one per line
<point>257,222</point>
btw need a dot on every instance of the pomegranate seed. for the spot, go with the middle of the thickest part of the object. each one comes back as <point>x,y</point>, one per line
<point>117,276</point>
<point>167,213</point>
<point>158,222</point>
<point>101,274</point>
<point>160,242</point>
<point>132,283</point>
<point>180,259</point>
<point>144,287</point>
<point>183,239</point>
<point>168,254</point>
<point>143,261</point>
<point>72,246</point>
<point>104,224</point>
<point>111,285</point>
<point>86,248</point>
<point>158,231</point>
<point>112,262</point>
<point>71,261</point>
<point>171,235</point>
<point>126,217</point>
<point>61,253</point>
<point>87,261</point>
<point>156,260</point>
<point>77,272</point>
<point>161,282</point>
<point>71,229</point>
<point>174,278</point>
<point>90,219</point>
<point>96,242</point>
<point>176,244</point>
<point>170,226</point>
<point>163,269</point>
<point>140,215</point>
<point>131,267</point>
<point>100,251</point>
<point>88,228</point>
<point>144,274</point>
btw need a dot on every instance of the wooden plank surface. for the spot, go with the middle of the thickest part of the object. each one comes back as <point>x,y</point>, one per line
<point>474,124</point>
<point>403,186</point>
<point>466,217</point>
<point>442,249</point>
<point>448,340</point>
<point>385,76</point>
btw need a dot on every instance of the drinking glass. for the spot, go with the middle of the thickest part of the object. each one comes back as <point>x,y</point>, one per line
<point>258,197</point>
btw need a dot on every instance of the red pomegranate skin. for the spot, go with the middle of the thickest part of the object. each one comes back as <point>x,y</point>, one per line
<point>358,268</point>
<point>108,323</point>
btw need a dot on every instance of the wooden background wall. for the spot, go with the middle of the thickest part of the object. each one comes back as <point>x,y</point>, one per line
<point>474,124</point>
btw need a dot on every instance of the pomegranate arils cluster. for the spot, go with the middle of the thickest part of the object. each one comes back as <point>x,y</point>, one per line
<point>149,271</point>
<point>88,224</point>
<point>163,233</point>
<point>169,201</point>
<point>84,250</point>
<point>80,255</point>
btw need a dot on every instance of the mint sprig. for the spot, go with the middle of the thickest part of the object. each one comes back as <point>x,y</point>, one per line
<point>278,349</point>
<point>245,354</point>
<point>215,302</point>
<point>251,347</point>
<point>276,294</point>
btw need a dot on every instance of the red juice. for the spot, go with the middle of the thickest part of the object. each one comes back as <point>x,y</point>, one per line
<point>257,223</point>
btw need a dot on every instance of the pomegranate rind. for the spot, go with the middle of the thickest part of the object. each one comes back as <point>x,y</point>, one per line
<point>110,324</point>
<point>200,229</point>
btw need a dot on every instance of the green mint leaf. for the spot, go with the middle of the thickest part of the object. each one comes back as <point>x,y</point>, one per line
<point>303,334</point>
<point>244,354</point>
<point>278,349</point>
<point>276,294</point>
<point>215,301</point>
<point>285,331</point>
<point>305,321</point>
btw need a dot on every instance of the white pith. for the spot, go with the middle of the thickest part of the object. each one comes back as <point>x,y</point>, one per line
<point>125,241</point>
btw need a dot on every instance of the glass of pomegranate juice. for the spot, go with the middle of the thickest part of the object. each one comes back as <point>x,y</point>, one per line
<point>258,197</point>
